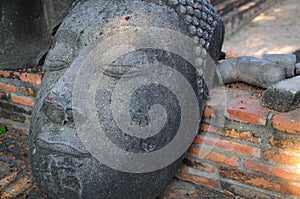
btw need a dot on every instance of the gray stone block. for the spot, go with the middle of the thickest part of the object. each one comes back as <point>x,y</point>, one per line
<point>288,61</point>
<point>297,53</point>
<point>251,70</point>
<point>283,96</point>
<point>297,69</point>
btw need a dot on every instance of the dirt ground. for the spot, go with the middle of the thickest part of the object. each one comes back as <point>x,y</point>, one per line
<point>275,31</point>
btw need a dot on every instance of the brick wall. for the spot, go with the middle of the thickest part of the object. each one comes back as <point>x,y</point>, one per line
<point>256,153</point>
<point>17,92</point>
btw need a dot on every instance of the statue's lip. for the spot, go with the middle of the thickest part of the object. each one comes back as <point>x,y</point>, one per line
<point>64,141</point>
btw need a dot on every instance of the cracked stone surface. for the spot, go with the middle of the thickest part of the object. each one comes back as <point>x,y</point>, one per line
<point>283,96</point>
<point>251,70</point>
<point>287,61</point>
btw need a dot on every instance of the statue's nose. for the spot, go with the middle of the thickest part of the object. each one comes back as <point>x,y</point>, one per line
<point>53,111</point>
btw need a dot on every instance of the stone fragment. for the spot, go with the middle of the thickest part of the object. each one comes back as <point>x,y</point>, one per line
<point>288,61</point>
<point>250,70</point>
<point>25,30</point>
<point>297,53</point>
<point>283,96</point>
<point>297,69</point>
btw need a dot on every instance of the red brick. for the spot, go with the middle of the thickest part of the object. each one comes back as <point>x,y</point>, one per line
<point>218,97</point>
<point>19,128</point>
<point>7,87</point>
<point>24,76</point>
<point>4,195</point>
<point>283,157</point>
<point>199,165</point>
<point>28,91</point>
<point>228,145</point>
<point>202,166</point>
<point>213,156</point>
<point>4,96</point>
<point>236,190</point>
<point>288,122</point>
<point>208,128</point>
<point>208,112</point>
<point>228,193</point>
<point>247,110</point>
<point>240,135</point>
<point>5,74</point>
<point>233,133</point>
<point>288,188</point>
<point>27,101</point>
<point>15,108</point>
<point>11,116</point>
<point>29,77</point>
<point>272,171</point>
<point>200,180</point>
<point>286,144</point>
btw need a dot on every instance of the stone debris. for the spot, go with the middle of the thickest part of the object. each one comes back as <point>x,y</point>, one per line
<point>297,53</point>
<point>297,69</point>
<point>269,72</point>
<point>283,96</point>
<point>287,61</point>
<point>251,70</point>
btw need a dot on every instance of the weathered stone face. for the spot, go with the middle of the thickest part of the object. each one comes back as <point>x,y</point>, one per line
<point>25,30</point>
<point>64,165</point>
